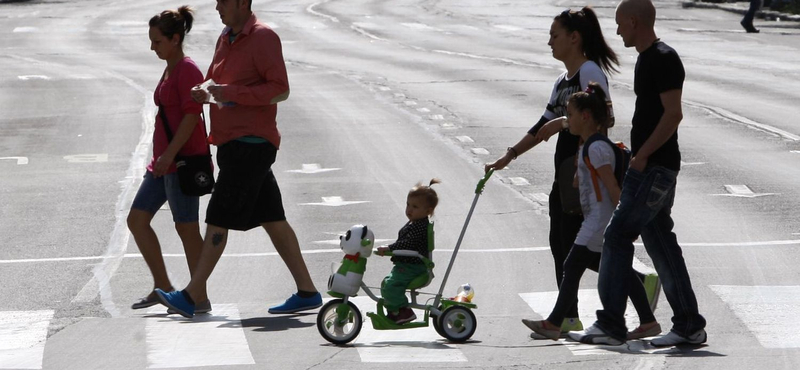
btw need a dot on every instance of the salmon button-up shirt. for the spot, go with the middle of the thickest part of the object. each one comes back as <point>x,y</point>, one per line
<point>253,68</point>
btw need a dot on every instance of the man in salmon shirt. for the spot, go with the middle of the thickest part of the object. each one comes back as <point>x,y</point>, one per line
<point>250,79</point>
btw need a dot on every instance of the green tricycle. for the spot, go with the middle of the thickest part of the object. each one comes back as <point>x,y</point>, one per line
<point>339,320</point>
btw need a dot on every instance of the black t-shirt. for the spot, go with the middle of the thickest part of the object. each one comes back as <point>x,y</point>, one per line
<point>658,70</point>
<point>564,87</point>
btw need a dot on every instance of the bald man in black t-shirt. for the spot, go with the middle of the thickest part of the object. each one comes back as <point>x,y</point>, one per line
<point>648,191</point>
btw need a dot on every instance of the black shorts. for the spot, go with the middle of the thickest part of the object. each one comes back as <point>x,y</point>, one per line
<point>246,193</point>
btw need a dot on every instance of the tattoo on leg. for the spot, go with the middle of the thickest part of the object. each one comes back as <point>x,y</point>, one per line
<point>217,239</point>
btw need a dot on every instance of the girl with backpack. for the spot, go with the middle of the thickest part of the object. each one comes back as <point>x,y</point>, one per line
<point>588,117</point>
<point>576,39</point>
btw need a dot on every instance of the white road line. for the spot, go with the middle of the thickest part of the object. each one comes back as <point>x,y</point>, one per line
<point>725,114</point>
<point>33,77</point>
<point>311,10</point>
<point>334,201</point>
<point>23,335</point>
<point>385,88</point>
<point>410,102</point>
<point>795,151</point>
<point>312,168</point>
<point>519,181</point>
<point>465,139</point>
<point>448,125</point>
<point>20,160</point>
<point>691,163</point>
<point>208,340</point>
<point>25,30</point>
<point>741,191</point>
<point>395,346</point>
<point>87,158</point>
<point>118,240</point>
<point>639,266</point>
<point>436,117</point>
<point>423,110</point>
<point>505,27</point>
<point>479,151</point>
<point>769,312</point>
<point>420,26</point>
<point>399,95</point>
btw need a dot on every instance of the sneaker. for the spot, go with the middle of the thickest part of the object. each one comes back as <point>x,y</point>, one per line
<point>672,339</point>
<point>594,335</point>
<point>652,285</point>
<point>202,307</point>
<point>296,304</point>
<point>571,324</point>
<point>148,301</point>
<point>176,301</point>
<point>640,333</point>
<point>568,325</point>
<point>543,328</point>
<point>405,315</point>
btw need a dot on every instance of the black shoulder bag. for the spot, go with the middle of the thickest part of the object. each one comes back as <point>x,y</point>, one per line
<point>195,172</point>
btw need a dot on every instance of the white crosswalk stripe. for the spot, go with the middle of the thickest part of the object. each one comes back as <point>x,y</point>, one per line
<point>588,302</point>
<point>209,340</point>
<point>22,338</point>
<point>769,312</point>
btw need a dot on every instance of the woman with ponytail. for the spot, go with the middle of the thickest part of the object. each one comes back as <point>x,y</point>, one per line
<point>181,113</point>
<point>576,40</point>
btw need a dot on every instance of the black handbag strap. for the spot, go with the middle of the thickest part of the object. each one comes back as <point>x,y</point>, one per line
<point>166,124</point>
<point>169,132</point>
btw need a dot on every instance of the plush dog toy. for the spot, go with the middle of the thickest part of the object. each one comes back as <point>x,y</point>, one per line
<point>357,245</point>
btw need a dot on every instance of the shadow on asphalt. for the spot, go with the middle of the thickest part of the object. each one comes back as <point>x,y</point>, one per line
<point>274,323</point>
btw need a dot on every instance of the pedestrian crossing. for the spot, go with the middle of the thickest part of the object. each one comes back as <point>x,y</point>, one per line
<point>209,340</point>
<point>769,312</point>
<point>219,339</point>
<point>22,338</point>
<point>588,303</point>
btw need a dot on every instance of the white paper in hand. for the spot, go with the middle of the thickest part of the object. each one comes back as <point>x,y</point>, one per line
<point>204,86</point>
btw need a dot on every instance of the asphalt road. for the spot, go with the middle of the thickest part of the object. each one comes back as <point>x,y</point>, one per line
<point>384,94</point>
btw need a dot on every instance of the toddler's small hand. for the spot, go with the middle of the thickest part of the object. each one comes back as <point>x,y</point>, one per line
<point>382,250</point>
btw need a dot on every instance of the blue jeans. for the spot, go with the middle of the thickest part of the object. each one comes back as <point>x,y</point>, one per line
<point>154,192</point>
<point>644,209</point>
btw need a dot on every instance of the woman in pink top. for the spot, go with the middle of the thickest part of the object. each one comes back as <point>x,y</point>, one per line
<point>160,184</point>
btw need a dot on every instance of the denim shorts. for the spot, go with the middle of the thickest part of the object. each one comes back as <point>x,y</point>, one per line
<point>154,192</point>
<point>246,193</point>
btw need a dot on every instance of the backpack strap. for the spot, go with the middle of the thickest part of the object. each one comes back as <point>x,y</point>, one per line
<point>593,171</point>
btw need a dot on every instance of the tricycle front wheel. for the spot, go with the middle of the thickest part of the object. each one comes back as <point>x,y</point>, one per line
<point>339,323</point>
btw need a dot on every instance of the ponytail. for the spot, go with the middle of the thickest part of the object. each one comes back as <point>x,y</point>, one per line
<point>186,13</point>
<point>425,191</point>
<point>593,99</point>
<point>172,22</point>
<point>593,43</point>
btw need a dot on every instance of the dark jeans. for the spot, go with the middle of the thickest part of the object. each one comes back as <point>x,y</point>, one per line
<point>644,209</point>
<point>579,259</point>
<point>563,231</point>
<point>751,13</point>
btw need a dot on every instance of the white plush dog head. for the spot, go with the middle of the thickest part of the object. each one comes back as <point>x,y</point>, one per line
<point>359,239</point>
